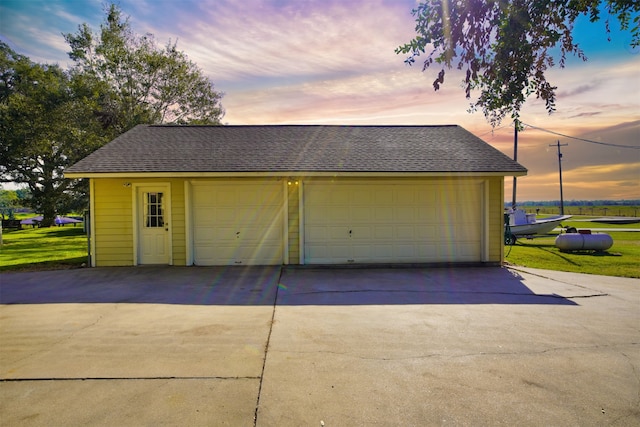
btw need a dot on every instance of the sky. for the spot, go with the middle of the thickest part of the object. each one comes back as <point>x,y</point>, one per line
<point>333,62</point>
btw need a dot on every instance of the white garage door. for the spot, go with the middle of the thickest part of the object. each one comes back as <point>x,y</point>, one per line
<point>238,224</point>
<point>378,223</point>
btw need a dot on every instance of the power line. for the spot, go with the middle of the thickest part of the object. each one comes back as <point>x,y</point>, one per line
<point>581,139</point>
<point>492,131</point>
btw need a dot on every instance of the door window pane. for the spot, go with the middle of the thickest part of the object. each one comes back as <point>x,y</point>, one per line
<point>153,210</point>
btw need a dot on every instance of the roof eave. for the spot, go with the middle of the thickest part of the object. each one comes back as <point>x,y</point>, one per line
<point>258,174</point>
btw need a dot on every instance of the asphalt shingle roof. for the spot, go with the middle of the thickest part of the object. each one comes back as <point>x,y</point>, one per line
<point>296,148</point>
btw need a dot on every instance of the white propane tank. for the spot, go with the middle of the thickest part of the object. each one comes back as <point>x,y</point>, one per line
<point>584,242</point>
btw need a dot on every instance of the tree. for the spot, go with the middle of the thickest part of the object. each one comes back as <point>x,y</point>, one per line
<point>46,124</point>
<point>9,201</point>
<point>138,81</point>
<point>50,118</point>
<point>505,46</point>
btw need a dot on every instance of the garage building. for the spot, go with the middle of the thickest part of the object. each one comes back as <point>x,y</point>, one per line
<point>296,194</point>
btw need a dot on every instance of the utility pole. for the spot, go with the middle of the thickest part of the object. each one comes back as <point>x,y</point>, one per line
<point>515,159</point>
<point>560,171</point>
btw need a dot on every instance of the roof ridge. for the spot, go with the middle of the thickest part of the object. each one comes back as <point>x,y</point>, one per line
<point>169,125</point>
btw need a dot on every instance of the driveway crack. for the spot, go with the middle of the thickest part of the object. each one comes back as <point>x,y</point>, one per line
<point>400,291</point>
<point>457,356</point>
<point>152,378</point>
<point>266,349</point>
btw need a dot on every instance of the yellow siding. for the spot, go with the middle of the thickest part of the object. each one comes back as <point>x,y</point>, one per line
<point>113,224</point>
<point>113,220</point>
<point>496,218</point>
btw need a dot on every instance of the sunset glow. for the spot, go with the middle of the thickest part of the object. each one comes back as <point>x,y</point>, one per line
<point>333,62</point>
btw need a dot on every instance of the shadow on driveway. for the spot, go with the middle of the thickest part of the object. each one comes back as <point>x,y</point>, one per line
<point>261,285</point>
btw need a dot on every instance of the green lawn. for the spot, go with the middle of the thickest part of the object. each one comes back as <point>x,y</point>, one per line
<point>43,248</point>
<point>66,247</point>
<point>622,259</point>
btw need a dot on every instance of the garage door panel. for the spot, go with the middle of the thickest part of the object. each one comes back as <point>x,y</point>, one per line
<point>326,253</point>
<point>259,197</point>
<point>405,215</point>
<point>462,214</point>
<point>338,232</point>
<point>238,224</point>
<point>361,214</point>
<point>337,215</point>
<point>402,223</point>
<point>359,198</point>
<point>445,234</point>
<point>316,217</point>
<point>427,233</point>
<point>317,251</point>
<point>383,195</point>
<point>225,197</point>
<point>462,252</point>
<point>361,253</point>
<point>425,213</point>
<point>316,233</point>
<point>426,197</point>
<point>383,213</point>
<point>406,232</point>
<point>338,198</point>
<point>405,252</point>
<point>225,215</point>
<point>383,232</point>
<point>427,251</point>
<point>459,233</point>
<point>404,196</point>
<point>360,232</point>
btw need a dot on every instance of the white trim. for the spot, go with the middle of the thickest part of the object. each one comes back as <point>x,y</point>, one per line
<point>285,218</point>
<point>92,221</point>
<point>134,221</point>
<point>344,174</point>
<point>301,222</point>
<point>168,218</point>
<point>188,223</point>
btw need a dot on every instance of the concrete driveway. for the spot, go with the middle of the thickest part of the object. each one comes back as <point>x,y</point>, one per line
<point>265,346</point>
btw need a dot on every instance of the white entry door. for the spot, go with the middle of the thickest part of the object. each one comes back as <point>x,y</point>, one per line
<point>153,225</point>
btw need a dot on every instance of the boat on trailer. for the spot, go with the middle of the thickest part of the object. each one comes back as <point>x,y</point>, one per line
<point>518,223</point>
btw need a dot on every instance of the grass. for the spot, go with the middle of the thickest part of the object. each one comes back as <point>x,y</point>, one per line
<point>621,260</point>
<point>43,248</point>
<point>66,247</point>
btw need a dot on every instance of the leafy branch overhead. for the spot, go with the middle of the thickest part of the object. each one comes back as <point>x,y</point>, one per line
<point>506,47</point>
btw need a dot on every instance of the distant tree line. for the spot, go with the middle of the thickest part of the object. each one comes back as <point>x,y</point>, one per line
<point>12,200</point>
<point>626,208</point>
